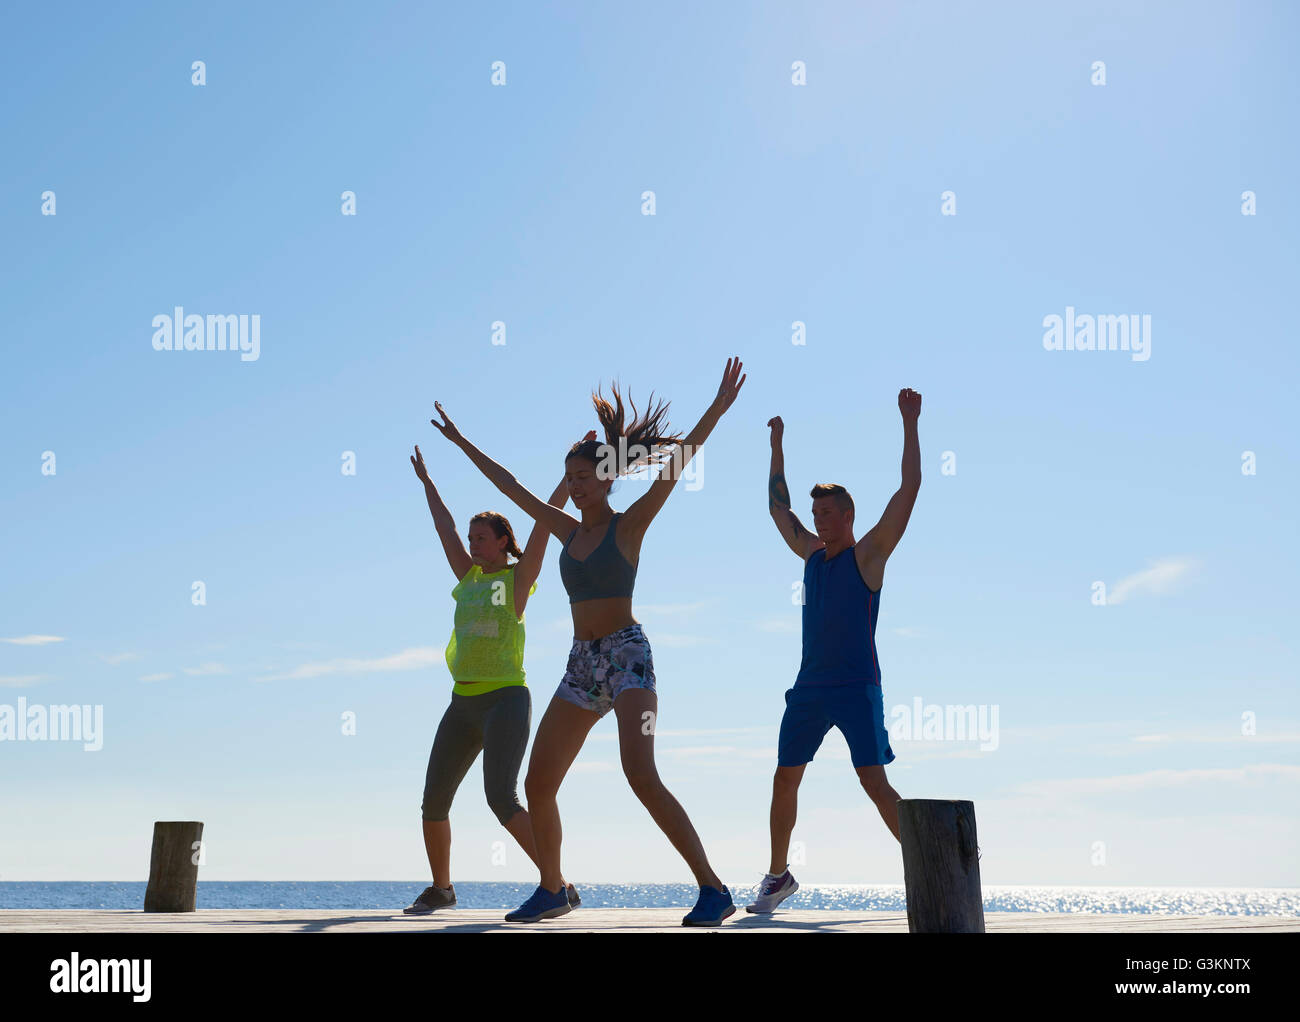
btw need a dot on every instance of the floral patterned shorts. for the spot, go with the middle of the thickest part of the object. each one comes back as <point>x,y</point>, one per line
<point>599,669</point>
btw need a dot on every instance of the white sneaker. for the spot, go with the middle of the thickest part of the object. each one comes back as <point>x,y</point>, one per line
<point>772,891</point>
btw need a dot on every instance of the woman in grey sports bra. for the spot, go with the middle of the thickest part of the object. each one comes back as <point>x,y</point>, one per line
<point>610,664</point>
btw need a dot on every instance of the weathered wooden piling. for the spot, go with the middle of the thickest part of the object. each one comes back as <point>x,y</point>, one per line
<point>173,866</point>
<point>941,869</point>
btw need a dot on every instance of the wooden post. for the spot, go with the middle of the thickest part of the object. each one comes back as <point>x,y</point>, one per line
<point>173,866</point>
<point>941,868</point>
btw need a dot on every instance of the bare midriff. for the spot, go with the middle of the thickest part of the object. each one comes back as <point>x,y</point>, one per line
<point>594,619</point>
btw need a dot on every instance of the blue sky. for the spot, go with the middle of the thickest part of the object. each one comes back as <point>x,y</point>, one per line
<point>1120,726</point>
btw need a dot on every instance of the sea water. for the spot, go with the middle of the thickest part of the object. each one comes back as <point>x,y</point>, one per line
<point>395,895</point>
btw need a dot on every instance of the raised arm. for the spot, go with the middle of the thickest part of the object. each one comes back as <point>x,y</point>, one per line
<point>457,556</point>
<point>638,517</point>
<point>879,543</point>
<point>530,564</point>
<point>797,538</point>
<point>556,521</point>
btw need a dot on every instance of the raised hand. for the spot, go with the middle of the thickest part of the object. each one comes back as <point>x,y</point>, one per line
<point>730,386</point>
<point>778,431</point>
<point>909,404</point>
<point>417,462</point>
<point>447,428</point>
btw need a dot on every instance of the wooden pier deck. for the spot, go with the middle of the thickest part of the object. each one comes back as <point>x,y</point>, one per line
<point>598,920</point>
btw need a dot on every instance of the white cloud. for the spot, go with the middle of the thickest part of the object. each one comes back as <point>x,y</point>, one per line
<point>1157,779</point>
<point>593,767</point>
<point>670,608</point>
<point>917,752</point>
<point>1159,578</point>
<point>1229,734</point>
<point>726,752</point>
<point>208,668</point>
<point>1141,731</point>
<point>675,639</point>
<point>19,680</point>
<point>411,659</point>
<point>698,750</point>
<point>612,736</point>
<point>118,658</point>
<point>34,640</point>
<point>695,732</point>
<point>163,676</point>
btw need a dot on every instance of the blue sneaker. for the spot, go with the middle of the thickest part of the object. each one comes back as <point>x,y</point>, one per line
<point>541,905</point>
<point>713,907</point>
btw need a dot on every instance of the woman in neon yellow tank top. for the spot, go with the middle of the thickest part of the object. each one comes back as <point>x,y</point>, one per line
<point>601,555</point>
<point>490,707</point>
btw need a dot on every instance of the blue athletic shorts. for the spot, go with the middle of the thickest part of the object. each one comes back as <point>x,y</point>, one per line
<point>812,710</point>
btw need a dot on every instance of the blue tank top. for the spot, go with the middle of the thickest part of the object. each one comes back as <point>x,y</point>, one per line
<point>839,623</point>
<point>605,572</point>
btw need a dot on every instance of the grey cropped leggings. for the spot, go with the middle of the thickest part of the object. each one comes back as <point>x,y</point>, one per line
<point>497,723</point>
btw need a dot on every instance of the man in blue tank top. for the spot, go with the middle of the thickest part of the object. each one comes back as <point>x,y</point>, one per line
<point>838,684</point>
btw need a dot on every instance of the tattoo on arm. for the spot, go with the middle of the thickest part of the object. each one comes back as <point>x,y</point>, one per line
<point>778,494</point>
<point>778,499</point>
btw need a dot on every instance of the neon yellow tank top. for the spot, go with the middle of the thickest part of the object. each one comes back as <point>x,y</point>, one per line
<point>486,650</point>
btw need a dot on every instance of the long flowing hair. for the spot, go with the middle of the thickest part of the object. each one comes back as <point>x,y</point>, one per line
<point>627,447</point>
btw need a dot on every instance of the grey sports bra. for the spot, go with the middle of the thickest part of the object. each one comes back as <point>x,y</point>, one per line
<point>605,572</point>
